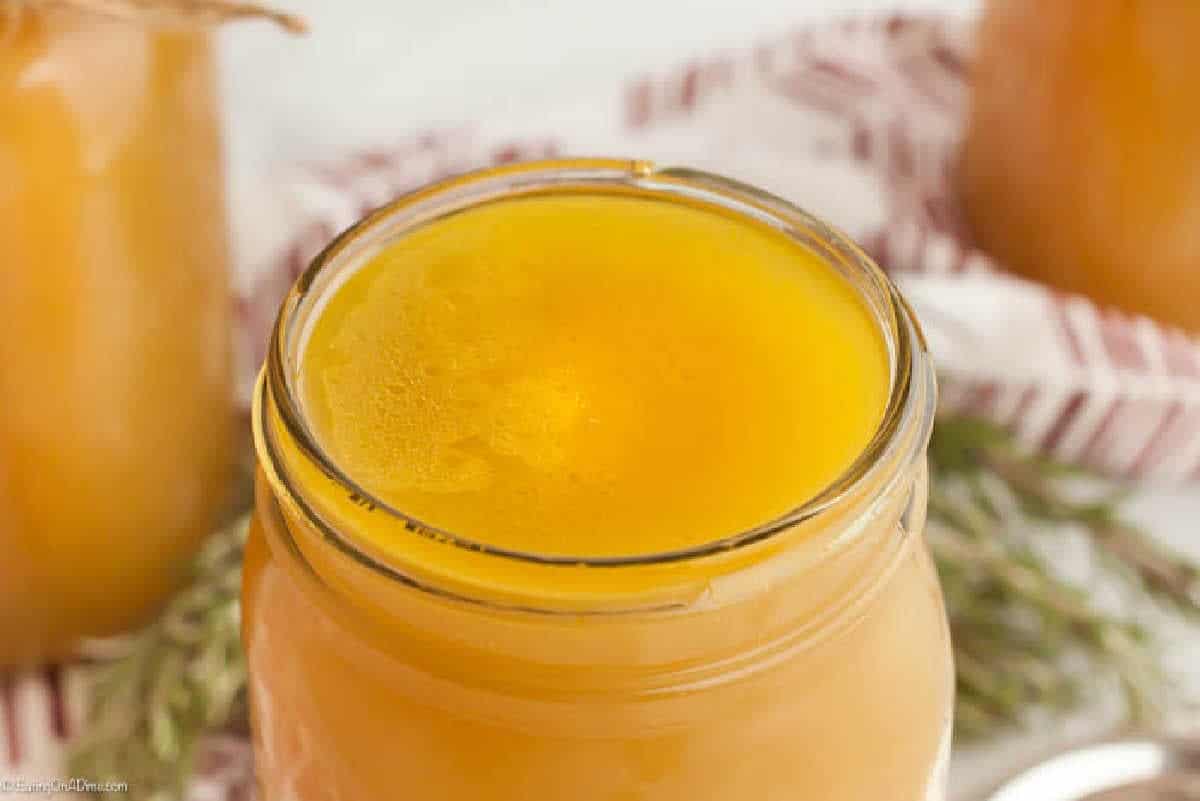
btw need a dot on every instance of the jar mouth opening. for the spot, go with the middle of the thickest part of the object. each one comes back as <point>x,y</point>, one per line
<point>909,406</point>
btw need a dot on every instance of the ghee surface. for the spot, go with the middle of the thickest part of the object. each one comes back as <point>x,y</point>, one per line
<point>594,375</point>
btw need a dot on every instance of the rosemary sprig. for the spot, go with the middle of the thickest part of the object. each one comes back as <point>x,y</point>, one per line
<point>1024,637</point>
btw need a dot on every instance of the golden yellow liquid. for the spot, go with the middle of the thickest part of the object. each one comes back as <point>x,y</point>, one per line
<point>115,424</point>
<point>591,375</point>
<point>594,375</point>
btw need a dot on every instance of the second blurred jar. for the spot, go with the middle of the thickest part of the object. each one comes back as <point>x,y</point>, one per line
<point>115,419</point>
<point>1082,159</point>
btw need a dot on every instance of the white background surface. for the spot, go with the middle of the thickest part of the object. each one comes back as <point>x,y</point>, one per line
<point>372,65</point>
<point>374,68</point>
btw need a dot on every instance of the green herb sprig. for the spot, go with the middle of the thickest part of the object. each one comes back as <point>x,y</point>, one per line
<point>1024,636</point>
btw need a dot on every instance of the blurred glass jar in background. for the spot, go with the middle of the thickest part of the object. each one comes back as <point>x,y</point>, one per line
<point>115,418</point>
<point>1082,159</point>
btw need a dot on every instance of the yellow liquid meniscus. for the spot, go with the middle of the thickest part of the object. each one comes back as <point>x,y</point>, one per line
<point>593,375</point>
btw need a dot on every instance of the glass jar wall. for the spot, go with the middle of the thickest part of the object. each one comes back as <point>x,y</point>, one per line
<point>805,657</point>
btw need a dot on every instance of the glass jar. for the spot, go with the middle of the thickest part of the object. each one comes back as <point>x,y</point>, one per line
<point>115,397</point>
<point>806,658</point>
<point>1081,165</point>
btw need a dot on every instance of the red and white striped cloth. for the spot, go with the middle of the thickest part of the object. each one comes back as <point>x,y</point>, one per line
<point>857,122</point>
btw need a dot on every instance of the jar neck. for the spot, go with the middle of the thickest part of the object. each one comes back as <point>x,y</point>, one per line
<point>841,541</point>
<point>740,625</point>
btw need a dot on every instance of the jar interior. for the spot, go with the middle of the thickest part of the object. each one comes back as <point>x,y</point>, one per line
<point>296,458</point>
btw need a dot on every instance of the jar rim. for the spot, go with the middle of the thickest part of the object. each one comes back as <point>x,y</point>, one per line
<point>909,409</point>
